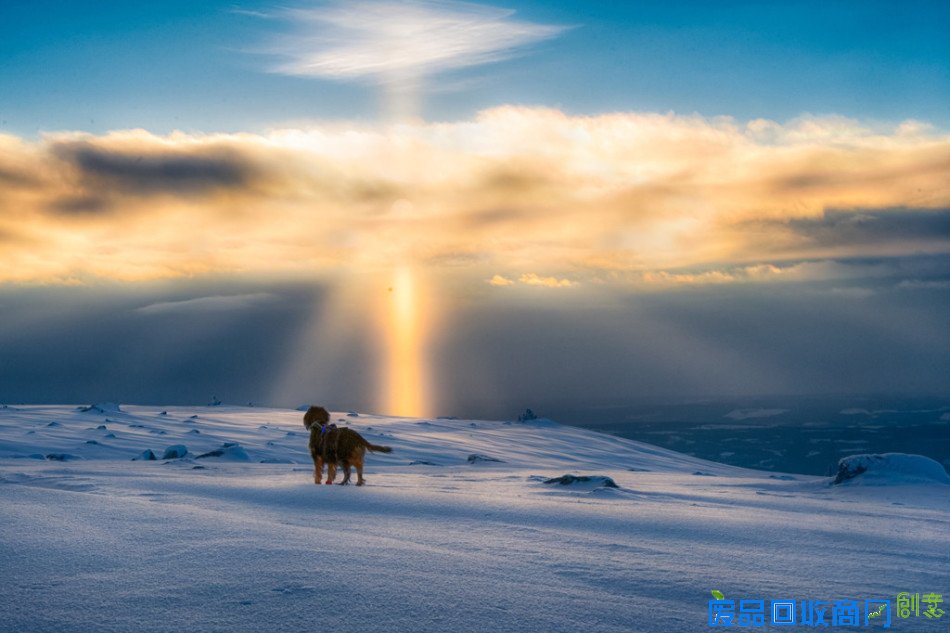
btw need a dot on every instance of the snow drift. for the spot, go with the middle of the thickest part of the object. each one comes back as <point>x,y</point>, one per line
<point>889,469</point>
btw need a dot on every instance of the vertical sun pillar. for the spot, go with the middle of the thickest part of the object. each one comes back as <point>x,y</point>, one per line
<point>406,380</point>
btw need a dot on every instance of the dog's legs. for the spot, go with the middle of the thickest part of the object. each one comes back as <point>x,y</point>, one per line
<point>331,472</point>
<point>317,470</point>
<point>359,472</point>
<point>346,473</point>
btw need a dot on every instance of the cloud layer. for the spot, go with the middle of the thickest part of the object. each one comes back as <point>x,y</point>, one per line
<point>527,194</point>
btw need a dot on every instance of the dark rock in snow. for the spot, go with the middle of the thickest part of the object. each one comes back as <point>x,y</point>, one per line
<point>849,469</point>
<point>230,451</point>
<point>60,457</point>
<point>570,480</point>
<point>104,408</point>
<point>474,459</point>
<point>527,416</point>
<point>176,451</point>
<point>147,455</point>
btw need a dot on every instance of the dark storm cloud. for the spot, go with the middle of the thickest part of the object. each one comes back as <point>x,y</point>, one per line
<point>156,172</point>
<point>840,227</point>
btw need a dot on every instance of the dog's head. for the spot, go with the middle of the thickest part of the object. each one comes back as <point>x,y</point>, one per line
<point>315,415</point>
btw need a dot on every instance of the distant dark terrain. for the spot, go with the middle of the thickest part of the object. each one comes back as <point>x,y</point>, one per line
<point>795,435</point>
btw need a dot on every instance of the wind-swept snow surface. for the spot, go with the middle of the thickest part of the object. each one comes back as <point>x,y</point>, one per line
<point>234,536</point>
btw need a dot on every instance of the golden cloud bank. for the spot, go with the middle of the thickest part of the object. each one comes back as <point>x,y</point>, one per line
<point>525,194</point>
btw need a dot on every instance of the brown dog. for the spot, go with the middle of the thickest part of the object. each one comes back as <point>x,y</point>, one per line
<point>336,446</point>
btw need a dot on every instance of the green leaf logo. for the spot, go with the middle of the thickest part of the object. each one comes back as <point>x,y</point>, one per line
<point>717,595</point>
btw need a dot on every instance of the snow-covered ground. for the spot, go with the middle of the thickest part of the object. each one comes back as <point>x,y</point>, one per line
<point>441,538</point>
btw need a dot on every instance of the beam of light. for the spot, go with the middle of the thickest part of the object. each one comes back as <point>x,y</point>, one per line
<point>406,388</point>
<point>318,368</point>
<point>397,45</point>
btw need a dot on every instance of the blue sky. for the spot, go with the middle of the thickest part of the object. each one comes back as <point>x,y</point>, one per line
<point>195,66</point>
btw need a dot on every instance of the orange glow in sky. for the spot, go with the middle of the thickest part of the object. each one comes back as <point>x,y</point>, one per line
<point>406,379</point>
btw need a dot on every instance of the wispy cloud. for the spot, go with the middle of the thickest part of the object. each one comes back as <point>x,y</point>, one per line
<point>214,303</point>
<point>500,281</point>
<point>633,199</point>
<point>533,279</point>
<point>925,284</point>
<point>385,40</point>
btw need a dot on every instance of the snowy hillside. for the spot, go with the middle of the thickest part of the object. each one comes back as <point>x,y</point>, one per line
<point>455,530</point>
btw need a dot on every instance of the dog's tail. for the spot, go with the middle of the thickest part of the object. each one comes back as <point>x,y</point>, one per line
<point>375,448</point>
